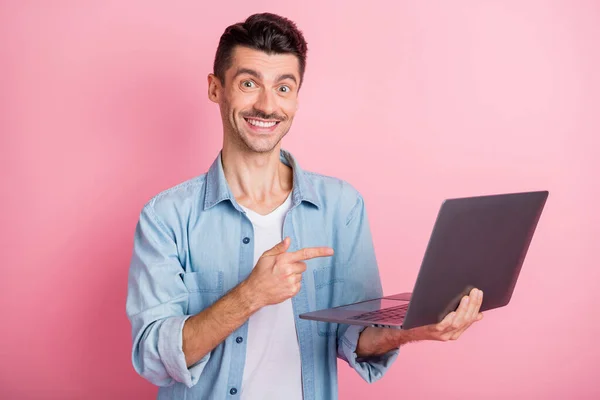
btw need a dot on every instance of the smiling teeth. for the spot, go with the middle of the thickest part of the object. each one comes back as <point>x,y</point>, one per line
<point>261,124</point>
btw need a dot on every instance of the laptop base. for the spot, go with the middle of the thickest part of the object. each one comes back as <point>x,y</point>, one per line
<point>347,314</point>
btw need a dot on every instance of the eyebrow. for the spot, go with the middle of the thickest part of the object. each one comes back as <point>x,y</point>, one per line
<point>258,75</point>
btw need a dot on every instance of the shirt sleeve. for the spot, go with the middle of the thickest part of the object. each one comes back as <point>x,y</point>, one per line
<point>156,305</point>
<point>362,282</point>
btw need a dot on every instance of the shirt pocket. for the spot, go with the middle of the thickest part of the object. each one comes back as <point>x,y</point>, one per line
<point>328,294</point>
<point>204,287</point>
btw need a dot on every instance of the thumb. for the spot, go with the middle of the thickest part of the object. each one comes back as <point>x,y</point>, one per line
<point>279,248</point>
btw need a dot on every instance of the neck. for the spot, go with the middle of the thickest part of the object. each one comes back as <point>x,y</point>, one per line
<point>259,181</point>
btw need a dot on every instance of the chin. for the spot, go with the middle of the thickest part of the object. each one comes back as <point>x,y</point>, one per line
<point>261,144</point>
<point>261,148</point>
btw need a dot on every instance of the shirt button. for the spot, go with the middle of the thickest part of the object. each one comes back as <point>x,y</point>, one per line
<point>233,391</point>
<point>246,240</point>
<point>239,339</point>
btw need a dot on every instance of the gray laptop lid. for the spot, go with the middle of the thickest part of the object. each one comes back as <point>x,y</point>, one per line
<point>477,242</point>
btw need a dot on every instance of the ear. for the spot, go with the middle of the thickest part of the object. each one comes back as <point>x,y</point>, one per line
<point>214,88</point>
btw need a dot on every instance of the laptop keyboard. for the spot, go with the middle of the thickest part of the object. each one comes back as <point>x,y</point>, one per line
<point>392,314</point>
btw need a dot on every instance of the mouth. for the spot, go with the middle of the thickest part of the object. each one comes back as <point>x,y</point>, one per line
<point>261,125</point>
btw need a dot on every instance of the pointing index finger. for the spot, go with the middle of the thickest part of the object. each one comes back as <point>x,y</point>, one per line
<point>310,252</point>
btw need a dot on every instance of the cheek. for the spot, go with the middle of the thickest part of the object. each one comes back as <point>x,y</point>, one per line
<point>242,102</point>
<point>289,107</point>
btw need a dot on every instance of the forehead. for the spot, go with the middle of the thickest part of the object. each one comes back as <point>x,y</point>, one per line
<point>270,66</point>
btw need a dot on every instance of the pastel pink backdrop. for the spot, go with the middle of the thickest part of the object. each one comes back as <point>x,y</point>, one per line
<point>104,104</point>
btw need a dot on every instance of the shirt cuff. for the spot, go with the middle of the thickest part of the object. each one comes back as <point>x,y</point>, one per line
<point>370,369</point>
<point>170,350</point>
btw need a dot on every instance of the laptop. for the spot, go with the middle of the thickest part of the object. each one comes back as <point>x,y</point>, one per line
<point>477,242</point>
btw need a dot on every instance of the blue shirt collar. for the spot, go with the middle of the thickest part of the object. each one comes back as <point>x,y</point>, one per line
<point>217,188</point>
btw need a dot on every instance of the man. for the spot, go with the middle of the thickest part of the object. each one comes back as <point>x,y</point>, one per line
<point>223,264</point>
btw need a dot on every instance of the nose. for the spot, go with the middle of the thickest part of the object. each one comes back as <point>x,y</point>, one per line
<point>266,102</point>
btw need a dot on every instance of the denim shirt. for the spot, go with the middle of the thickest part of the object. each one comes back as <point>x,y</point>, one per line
<point>193,243</point>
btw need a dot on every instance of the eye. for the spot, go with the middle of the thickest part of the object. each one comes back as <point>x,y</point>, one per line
<point>285,89</point>
<point>248,84</point>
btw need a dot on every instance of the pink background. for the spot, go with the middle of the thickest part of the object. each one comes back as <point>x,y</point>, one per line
<point>104,104</point>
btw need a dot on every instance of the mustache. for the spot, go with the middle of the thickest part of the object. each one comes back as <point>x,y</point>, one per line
<point>262,115</point>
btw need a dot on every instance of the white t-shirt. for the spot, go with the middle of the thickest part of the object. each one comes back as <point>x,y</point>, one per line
<point>272,368</point>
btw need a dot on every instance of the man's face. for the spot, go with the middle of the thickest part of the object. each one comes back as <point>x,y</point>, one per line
<point>259,99</point>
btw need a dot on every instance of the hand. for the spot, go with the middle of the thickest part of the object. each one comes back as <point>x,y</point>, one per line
<point>377,341</point>
<point>455,323</point>
<point>277,275</point>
